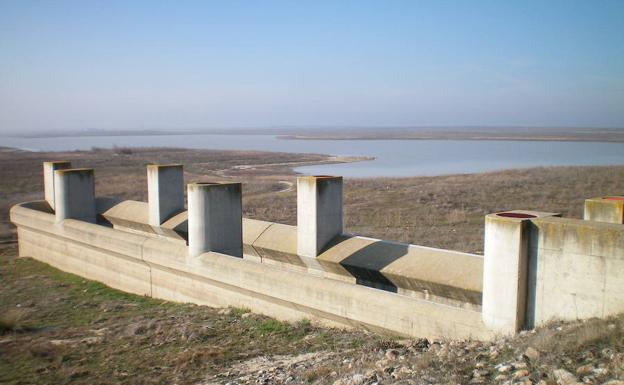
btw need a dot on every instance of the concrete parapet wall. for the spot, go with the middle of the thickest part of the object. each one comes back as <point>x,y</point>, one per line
<point>537,266</point>
<point>608,209</point>
<point>147,265</point>
<point>443,276</point>
<point>576,270</point>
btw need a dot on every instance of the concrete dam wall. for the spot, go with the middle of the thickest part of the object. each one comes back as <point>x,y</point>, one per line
<point>536,266</point>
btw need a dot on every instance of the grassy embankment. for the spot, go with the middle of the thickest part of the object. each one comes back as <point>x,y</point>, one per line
<point>59,328</point>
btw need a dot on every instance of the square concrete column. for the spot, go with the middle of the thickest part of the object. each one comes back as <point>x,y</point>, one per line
<point>505,269</point>
<point>48,178</point>
<point>215,218</point>
<point>165,192</point>
<point>74,194</point>
<point>605,209</point>
<point>319,213</point>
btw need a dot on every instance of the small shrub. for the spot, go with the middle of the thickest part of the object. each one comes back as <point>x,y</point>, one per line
<point>239,311</point>
<point>271,326</point>
<point>10,322</point>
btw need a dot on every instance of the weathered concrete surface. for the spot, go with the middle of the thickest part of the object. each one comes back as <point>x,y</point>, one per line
<point>439,275</point>
<point>319,213</point>
<point>215,218</point>
<point>608,209</point>
<point>48,178</point>
<point>132,216</point>
<point>74,194</point>
<point>577,270</point>
<point>165,192</point>
<point>154,266</point>
<point>442,276</point>
<point>91,251</point>
<point>506,247</point>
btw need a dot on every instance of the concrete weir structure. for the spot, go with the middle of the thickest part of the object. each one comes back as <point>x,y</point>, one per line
<point>536,266</point>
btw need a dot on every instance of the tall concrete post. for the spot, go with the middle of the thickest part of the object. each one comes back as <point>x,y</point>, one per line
<point>605,209</point>
<point>319,213</point>
<point>215,218</point>
<point>74,194</point>
<point>506,269</point>
<point>48,178</point>
<point>165,192</point>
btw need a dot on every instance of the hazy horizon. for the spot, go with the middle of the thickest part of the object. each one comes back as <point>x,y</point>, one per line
<point>192,65</point>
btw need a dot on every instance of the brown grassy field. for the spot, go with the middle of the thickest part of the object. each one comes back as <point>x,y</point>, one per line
<point>441,211</point>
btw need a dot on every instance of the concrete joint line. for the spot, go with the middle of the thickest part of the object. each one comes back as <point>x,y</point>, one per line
<point>149,267</point>
<point>252,244</point>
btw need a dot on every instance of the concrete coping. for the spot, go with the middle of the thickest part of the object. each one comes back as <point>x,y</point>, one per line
<point>171,165</point>
<point>614,198</point>
<point>520,215</point>
<point>321,177</point>
<point>516,215</point>
<point>580,223</point>
<point>210,183</point>
<point>76,170</point>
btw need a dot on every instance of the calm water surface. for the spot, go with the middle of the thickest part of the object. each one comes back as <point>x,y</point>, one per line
<point>392,157</point>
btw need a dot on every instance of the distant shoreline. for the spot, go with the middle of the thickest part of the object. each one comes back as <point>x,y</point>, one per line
<point>531,134</point>
<point>461,138</point>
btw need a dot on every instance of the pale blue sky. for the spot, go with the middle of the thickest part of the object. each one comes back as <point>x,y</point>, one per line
<point>192,64</point>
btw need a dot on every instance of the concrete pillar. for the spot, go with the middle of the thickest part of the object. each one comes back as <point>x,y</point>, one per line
<point>507,248</point>
<point>319,213</point>
<point>74,194</point>
<point>48,178</point>
<point>605,209</point>
<point>215,218</point>
<point>165,192</point>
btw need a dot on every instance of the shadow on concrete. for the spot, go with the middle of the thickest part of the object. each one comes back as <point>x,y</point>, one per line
<point>103,204</point>
<point>366,264</point>
<point>529,320</point>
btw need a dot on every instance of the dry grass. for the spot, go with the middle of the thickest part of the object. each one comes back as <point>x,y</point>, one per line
<point>448,211</point>
<point>121,172</point>
<point>81,331</point>
<point>442,211</point>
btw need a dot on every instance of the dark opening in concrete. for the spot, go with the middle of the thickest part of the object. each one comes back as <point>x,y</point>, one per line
<point>516,215</point>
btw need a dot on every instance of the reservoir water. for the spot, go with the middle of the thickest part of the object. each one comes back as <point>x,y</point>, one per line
<point>393,158</point>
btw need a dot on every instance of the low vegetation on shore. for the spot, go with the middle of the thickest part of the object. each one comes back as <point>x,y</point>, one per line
<point>59,328</point>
